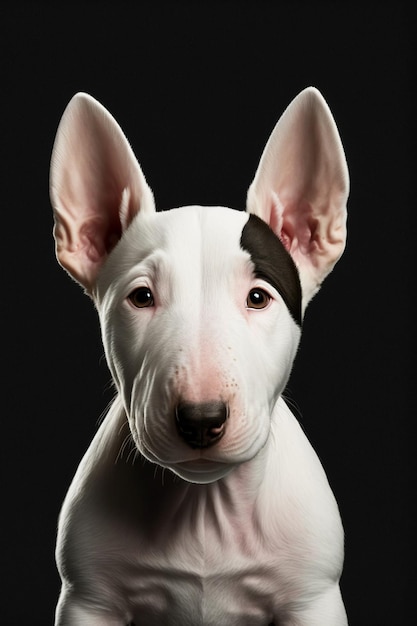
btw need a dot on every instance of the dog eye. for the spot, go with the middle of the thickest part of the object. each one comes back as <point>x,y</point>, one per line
<point>141,297</point>
<point>257,299</point>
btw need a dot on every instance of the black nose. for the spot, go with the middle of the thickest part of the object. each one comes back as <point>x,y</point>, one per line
<point>201,424</point>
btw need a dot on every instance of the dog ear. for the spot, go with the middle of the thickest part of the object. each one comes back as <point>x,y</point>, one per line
<point>301,187</point>
<point>96,187</point>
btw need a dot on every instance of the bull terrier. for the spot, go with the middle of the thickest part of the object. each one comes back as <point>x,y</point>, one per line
<point>200,500</point>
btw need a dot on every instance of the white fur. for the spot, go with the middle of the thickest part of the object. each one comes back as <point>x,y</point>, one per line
<point>247,531</point>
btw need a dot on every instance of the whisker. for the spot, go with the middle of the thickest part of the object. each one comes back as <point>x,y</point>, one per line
<point>123,447</point>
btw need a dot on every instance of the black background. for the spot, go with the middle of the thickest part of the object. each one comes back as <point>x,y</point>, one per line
<point>197,88</point>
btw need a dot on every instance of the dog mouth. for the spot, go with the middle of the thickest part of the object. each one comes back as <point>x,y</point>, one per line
<point>200,465</point>
<point>201,470</point>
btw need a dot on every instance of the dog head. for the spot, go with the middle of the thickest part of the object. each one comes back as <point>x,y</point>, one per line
<point>200,307</point>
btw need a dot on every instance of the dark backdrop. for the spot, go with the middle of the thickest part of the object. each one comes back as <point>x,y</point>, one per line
<point>198,87</point>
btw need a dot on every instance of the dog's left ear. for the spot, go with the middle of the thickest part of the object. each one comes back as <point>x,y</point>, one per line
<point>96,188</point>
<point>301,187</point>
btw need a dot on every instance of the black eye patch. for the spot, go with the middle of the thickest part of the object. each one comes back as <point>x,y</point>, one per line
<point>273,263</point>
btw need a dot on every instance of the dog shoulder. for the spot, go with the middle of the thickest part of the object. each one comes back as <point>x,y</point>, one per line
<point>83,511</point>
<point>297,506</point>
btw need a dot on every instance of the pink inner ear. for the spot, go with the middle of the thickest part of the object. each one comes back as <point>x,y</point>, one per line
<point>276,221</point>
<point>98,237</point>
<point>302,228</point>
<point>286,239</point>
<point>295,225</point>
<point>287,224</point>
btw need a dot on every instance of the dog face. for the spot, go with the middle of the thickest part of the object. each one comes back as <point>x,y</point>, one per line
<point>200,307</point>
<point>187,320</point>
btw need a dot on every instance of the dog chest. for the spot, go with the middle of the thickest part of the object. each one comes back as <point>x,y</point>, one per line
<point>195,562</point>
<point>210,571</point>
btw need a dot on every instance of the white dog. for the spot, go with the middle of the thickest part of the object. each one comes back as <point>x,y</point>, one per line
<point>200,500</point>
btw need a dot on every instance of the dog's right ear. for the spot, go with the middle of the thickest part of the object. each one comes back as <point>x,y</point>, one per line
<point>301,187</point>
<point>96,188</point>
